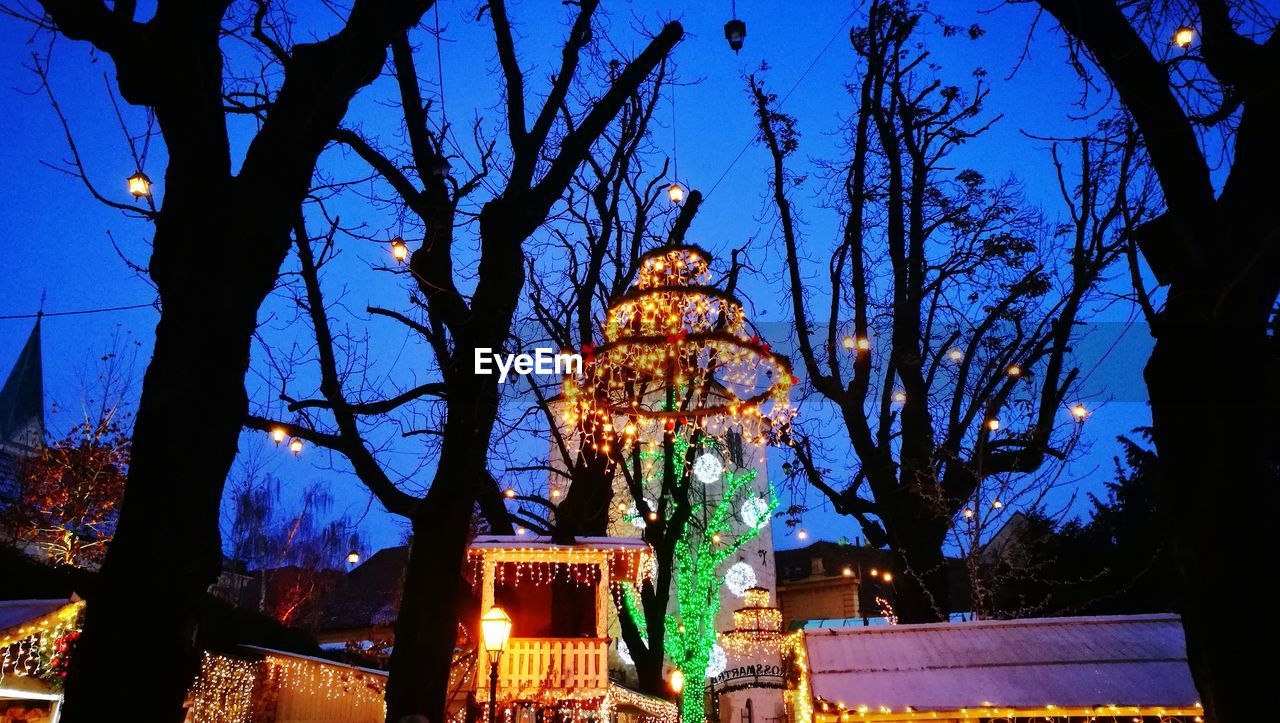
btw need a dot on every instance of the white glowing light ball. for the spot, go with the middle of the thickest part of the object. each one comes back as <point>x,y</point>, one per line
<point>755,512</point>
<point>718,662</point>
<point>739,577</point>
<point>708,469</point>
<point>624,653</point>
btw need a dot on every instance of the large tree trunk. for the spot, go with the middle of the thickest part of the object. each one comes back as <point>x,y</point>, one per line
<point>167,549</point>
<point>1214,404</point>
<point>427,624</point>
<point>921,588</point>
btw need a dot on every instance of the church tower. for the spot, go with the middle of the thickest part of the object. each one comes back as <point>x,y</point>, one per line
<point>21,410</point>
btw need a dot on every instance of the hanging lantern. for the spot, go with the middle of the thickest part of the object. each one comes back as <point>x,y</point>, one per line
<point>955,355</point>
<point>735,31</point>
<point>1014,370</point>
<point>864,344</point>
<point>510,493</point>
<point>993,424</point>
<point>1080,412</point>
<point>677,681</point>
<point>899,397</point>
<point>1184,36</point>
<point>140,185</point>
<point>399,249</point>
<point>277,434</point>
<point>676,193</point>
<point>802,534</point>
<point>353,557</point>
<point>887,576</point>
<point>295,445</point>
<point>848,343</point>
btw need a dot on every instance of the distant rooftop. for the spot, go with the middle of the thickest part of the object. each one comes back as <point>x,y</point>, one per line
<point>1078,663</point>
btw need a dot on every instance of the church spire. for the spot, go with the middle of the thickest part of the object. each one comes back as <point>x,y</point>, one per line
<point>22,397</point>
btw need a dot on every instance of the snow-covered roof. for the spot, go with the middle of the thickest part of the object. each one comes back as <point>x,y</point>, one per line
<point>1084,662</point>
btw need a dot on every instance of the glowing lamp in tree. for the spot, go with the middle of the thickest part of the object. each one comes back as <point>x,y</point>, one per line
<point>676,193</point>
<point>1080,412</point>
<point>1184,36</point>
<point>277,434</point>
<point>849,343</point>
<point>735,31</point>
<point>295,445</point>
<point>677,681</point>
<point>353,557</point>
<point>399,249</point>
<point>140,185</point>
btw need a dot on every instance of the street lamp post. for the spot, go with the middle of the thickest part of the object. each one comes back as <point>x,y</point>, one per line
<point>677,687</point>
<point>495,627</point>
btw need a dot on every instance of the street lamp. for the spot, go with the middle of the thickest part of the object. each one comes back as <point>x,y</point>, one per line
<point>495,627</point>
<point>677,687</point>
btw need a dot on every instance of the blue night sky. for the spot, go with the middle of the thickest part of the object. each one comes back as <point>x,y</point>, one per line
<point>59,242</point>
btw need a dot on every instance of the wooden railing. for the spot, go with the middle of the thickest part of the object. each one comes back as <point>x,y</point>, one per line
<point>574,663</point>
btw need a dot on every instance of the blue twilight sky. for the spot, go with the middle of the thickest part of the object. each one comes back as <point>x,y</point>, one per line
<point>60,244</point>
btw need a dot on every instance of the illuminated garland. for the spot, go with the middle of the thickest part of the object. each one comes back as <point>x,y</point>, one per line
<point>223,692</point>
<point>699,554</point>
<point>41,648</point>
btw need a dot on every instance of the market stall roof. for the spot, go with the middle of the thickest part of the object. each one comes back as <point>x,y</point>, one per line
<point>1033,664</point>
<point>542,542</point>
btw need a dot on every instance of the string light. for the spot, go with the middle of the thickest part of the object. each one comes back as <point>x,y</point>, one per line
<point>739,578</point>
